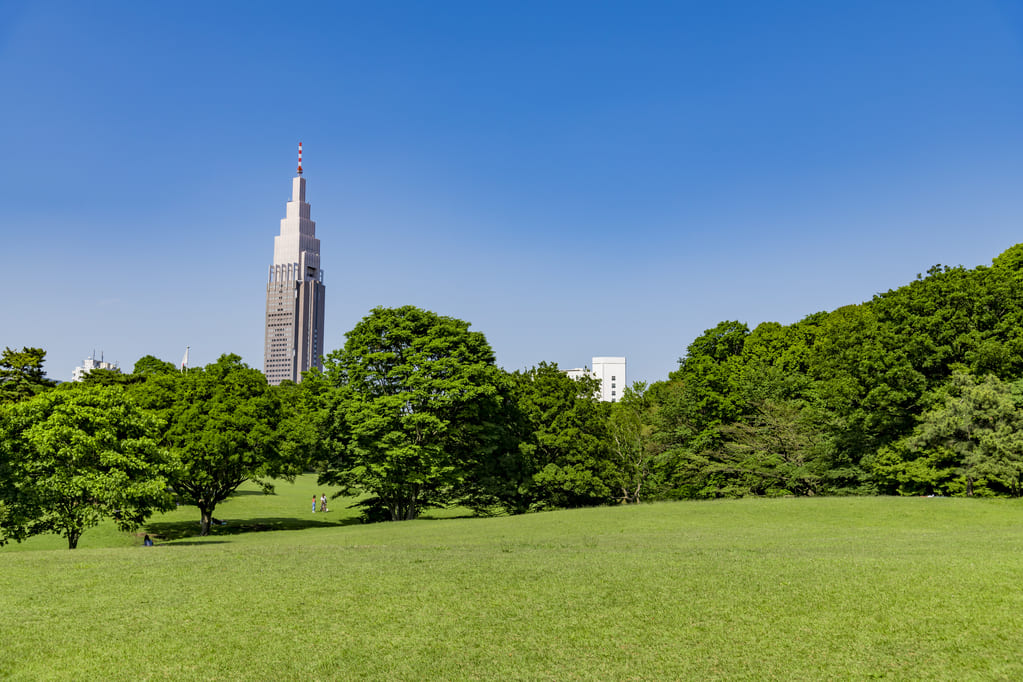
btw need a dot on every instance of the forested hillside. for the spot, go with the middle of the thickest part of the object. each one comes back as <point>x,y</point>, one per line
<point>917,391</point>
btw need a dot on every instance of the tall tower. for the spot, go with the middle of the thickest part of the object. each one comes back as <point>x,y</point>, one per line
<point>294,293</point>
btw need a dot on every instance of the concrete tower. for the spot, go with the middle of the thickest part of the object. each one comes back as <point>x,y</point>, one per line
<point>611,372</point>
<point>294,293</point>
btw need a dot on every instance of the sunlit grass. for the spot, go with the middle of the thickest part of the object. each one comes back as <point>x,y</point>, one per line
<point>747,589</point>
<point>249,510</point>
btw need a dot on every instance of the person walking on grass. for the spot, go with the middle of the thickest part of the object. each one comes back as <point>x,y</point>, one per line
<point>314,503</point>
<point>323,502</point>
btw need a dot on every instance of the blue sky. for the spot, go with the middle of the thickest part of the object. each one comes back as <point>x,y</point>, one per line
<point>574,179</point>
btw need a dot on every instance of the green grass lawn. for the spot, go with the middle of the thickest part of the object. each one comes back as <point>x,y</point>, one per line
<point>747,589</point>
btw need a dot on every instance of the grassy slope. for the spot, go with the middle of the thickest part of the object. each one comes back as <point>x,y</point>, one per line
<point>821,588</point>
<point>249,510</point>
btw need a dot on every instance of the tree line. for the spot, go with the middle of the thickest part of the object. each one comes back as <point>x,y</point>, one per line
<point>411,414</point>
<point>917,391</point>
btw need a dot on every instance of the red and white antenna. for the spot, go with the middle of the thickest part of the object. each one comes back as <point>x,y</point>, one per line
<point>300,158</point>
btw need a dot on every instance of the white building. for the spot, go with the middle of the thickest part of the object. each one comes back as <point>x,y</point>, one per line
<point>610,371</point>
<point>90,363</point>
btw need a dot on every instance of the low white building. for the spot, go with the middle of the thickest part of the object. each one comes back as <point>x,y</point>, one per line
<point>610,371</point>
<point>90,363</point>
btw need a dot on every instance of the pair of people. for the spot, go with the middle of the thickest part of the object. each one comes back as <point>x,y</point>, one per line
<point>323,503</point>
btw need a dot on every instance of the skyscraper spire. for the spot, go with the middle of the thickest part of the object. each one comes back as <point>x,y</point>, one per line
<point>295,293</point>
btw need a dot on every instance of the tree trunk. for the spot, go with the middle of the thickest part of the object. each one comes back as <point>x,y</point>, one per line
<point>72,540</point>
<point>412,510</point>
<point>207,519</point>
<point>403,509</point>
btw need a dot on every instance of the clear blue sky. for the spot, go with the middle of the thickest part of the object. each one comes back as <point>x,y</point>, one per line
<point>574,179</point>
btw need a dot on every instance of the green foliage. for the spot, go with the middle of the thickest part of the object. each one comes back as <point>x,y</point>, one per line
<point>109,377</point>
<point>970,441</point>
<point>675,432</point>
<point>76,455</point>
<point>567,446</point>
<point>1011,259</point>
<point>718,344</point>
<point>707,381</point>
<point>833,403</point>
<point>500,479</point>
<point>305,415</point>
<point>632,451</point>
<point>412,396</point>
<point>149,365</point>
<point>774,450</point>
<point>22,375</point>
<point>222,424</point>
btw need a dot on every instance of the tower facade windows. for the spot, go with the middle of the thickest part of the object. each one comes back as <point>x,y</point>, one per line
<point>295,293</point>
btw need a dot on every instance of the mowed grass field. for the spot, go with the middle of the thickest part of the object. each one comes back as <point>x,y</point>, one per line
<point>829,588</point>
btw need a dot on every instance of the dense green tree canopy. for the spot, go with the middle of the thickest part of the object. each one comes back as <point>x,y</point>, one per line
<point>843,401</point>
<point>567,447</point>
<point>221,422</point>
<point>109,377</point>
<point>413,396</point>
<point>633,453</point>
<point>305,415</point>
<point>149,365</point>
<point>22,375</point>
<point>76,455</point>
<point>969,440</point>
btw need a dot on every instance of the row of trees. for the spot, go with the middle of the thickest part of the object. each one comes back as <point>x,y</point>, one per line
<point>414,411</point>
<point>411,413</point>
<point>125,446</point>
<point>917,391</point>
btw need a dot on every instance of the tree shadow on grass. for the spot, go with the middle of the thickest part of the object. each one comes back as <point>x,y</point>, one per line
<point>427,517</point>
<point>187,543</point>
<point>187,529</point>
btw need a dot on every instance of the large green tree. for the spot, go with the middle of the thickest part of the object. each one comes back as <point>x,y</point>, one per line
<point>148,365</point>
<point>970,440</point>
<point>632,451</point>
<point>773,450</point>
<point>412,396</point>
<point>22,375</point>
<point>499,477</point>
<point>305,417</point>
<point>698,398</point>
<point>222,423</point>
<point>568,447</point>
<point>76,455</point>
